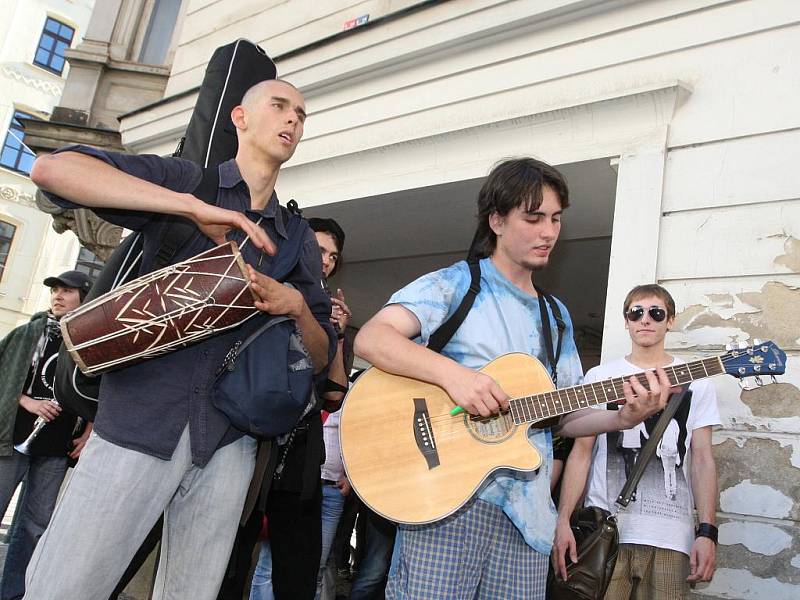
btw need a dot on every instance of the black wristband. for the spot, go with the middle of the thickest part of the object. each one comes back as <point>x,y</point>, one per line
<point>707,530</point>
<point>332,386</point>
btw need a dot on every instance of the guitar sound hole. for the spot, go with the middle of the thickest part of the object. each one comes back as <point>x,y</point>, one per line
<point>491,430</point>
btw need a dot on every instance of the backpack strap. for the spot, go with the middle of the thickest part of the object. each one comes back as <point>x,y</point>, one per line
<point>290,250</point>
<point>446,330</point>
<point>178,231</point>
<point>546,299</point>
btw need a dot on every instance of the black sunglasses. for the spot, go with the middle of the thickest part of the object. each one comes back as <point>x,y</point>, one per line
<point>656,313</point>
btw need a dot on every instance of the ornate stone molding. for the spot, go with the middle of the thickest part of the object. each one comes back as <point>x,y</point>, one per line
<point>101,237</point>
<point>22,74</point>
<point>12,194</point>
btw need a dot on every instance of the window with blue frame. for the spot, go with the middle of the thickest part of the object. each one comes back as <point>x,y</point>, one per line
<point>16,155</point>
<point>56,38</point>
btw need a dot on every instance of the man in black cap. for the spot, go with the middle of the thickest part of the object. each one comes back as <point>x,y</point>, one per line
<point>36,434</point>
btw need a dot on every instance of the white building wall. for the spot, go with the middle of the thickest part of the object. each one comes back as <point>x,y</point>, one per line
<point>693,100</point>
<point>37,251</point>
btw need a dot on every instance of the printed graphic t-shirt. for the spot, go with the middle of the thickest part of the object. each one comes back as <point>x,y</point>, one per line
<point>662,514</point>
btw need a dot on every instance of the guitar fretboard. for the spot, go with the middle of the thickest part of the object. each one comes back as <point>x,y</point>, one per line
<point>528,409</point>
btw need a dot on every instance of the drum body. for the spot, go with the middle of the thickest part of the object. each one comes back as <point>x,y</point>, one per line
<point>161,311</point>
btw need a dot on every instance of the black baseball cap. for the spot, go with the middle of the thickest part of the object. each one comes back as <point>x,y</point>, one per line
<point>73,279</point>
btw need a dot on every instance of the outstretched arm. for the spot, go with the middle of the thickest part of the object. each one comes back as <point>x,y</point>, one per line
<point>93,183</point>
<point>385,342</point>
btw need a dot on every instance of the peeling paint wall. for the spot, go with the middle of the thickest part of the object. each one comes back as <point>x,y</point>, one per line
<point>732,260</point>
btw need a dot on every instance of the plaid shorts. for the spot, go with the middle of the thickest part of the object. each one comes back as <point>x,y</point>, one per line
<point>649,573</point>
<point>477,553</point>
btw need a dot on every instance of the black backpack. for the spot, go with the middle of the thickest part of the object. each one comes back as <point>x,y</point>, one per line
<point>209,141</point>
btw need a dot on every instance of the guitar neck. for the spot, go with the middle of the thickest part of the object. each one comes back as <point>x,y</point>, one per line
<point>546,405</point>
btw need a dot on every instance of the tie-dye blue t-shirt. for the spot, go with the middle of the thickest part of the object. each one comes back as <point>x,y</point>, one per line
<point>503,319</point>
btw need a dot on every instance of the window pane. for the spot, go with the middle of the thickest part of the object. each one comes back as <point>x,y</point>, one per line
<point>159,31</point>
<point>67,32</point>
<point>61,48</point>
<point>18,114</point>
<point>26,162</point>
<point>6,236</point>
<point>57,64</point>
<point>14,154</point>
<point>47,41</point>
<point>6,230</point>
<point>42,57</point>
<point>89,263</point>
<point>9,158</point>
<point>52,25</point>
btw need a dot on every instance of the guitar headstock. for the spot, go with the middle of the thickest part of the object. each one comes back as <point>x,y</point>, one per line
<point>758,359</point>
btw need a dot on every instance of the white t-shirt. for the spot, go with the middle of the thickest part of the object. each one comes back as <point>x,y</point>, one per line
<point>662,514</point>
<point>333,469</point>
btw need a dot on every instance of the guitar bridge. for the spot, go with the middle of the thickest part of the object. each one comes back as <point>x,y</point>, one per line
<point>423,433</point>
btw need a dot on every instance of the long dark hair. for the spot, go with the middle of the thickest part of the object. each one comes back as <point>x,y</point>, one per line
<point>512,183</point>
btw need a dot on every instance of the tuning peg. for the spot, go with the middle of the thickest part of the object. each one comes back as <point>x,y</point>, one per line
<point>773,378</point>
<point>728,347</point>
<point>756,342</point>
<point>742,345</point>
<point>758,381</point>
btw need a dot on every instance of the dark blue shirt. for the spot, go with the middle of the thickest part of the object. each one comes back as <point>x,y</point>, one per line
<point>145,407</point>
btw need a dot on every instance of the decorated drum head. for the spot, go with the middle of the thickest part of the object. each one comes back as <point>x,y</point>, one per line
<point>161,311</point>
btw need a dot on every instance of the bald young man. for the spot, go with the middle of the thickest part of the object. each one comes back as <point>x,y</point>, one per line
<point>159,445</point>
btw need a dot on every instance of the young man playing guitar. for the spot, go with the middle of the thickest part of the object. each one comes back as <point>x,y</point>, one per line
<point>496,546</point>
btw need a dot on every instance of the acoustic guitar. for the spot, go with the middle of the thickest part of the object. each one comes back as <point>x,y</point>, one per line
<point>412,462</point>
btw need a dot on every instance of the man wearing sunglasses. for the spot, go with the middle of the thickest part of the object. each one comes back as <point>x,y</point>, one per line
<point>661,552</point>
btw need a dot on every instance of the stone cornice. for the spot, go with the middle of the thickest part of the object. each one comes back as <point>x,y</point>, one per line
<point>83,56</point>
<point>46,136</point>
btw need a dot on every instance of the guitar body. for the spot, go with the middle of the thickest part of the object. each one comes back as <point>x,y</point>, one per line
<point>410,461</point>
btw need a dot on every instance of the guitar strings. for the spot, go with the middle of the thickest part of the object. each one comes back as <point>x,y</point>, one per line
<point>459,426</point>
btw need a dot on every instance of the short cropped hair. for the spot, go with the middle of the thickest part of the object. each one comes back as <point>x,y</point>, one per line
<point>650,289</point>
<point>512,183</point>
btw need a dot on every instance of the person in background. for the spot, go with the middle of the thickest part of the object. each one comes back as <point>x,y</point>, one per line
<point>660,550</point>
<point>36,435</point>
<point>335,487</point>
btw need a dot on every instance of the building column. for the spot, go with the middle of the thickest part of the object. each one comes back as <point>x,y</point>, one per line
<point>635,232</point>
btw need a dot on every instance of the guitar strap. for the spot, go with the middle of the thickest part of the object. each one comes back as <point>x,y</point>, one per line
<point>446,330</point>
<point>552,357</point>
<point>674,403</point>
